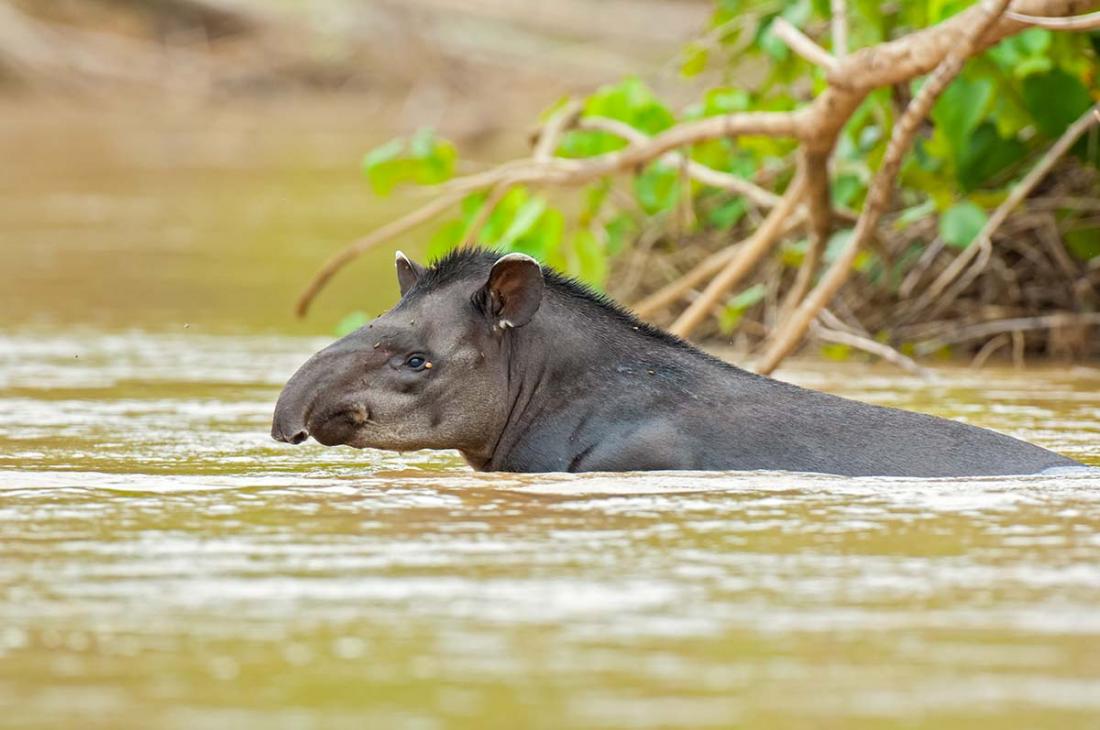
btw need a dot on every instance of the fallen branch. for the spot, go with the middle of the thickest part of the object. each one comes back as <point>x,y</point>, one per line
<point>870,346</point>
<point>1020,324</point>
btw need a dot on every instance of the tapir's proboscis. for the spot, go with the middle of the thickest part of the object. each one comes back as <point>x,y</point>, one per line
<point>524,370</point>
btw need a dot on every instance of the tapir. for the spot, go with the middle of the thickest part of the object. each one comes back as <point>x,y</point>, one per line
<point>521,369</point>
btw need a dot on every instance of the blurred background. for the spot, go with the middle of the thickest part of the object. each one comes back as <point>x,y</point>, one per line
<point>192,161</point>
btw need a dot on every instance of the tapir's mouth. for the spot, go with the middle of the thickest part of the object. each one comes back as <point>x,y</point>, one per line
<point>340,428</point>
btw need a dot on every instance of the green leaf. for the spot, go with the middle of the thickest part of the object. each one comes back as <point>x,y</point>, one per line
<point>657,188</point>
<point>524,220</point>
<point>1056,100</point>
<point>836,351</point>
<point>591,259</point>
<point>631,101</point>
<point>986,155</point>
<point>619,230</point>
<point>911,215</point>
<point>695,60</point>
<point>350,323</point>
<point>720,100</point>
<point>424,159</point>
<point>961,107</point>
<point>961,223</point>
<point>770,43</point>
<point>846,189</point>
<point>745,299</point>
<point>1083,243</point>
<point>727,215</point>
<point>730,315</point>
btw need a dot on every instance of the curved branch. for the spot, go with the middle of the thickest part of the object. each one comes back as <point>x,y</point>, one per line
<point>379,235</point>
<point>696,170</point>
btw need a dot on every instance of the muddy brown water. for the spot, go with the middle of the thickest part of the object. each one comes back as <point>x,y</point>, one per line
<point>163,563</point>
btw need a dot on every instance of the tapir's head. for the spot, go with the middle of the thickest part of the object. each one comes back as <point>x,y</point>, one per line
<point>431,373</point>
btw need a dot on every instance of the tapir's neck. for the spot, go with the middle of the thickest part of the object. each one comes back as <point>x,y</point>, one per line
<point>576,377</point>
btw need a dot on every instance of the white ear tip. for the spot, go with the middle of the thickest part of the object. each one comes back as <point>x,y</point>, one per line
<point>400,256</point>
<point>517,257</point>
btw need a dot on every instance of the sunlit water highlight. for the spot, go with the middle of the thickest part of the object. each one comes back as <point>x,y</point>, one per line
<point>163,563</point>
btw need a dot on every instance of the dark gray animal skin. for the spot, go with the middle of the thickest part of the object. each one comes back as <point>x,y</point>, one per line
<point>523,370</point>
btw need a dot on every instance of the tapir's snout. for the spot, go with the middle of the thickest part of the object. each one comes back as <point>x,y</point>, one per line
<point>288,433</point>
<point>289,423</point>
<point>317,401</point>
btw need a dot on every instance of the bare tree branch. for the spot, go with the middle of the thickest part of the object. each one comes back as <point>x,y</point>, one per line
<point>704,270</point>
<point>801,44</point>
<point>839,24</point>
<point>816,166</point>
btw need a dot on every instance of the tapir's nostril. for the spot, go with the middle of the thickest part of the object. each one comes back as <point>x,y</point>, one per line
<point>298,436</point>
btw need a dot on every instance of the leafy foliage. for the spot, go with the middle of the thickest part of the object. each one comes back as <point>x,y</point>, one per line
<point>1006,106</point>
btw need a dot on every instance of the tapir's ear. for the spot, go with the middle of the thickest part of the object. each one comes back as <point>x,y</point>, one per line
<point>514,290</point>
<point>408,271</point>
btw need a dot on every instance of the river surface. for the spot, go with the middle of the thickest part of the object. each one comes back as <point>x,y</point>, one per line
<point>164,564</point>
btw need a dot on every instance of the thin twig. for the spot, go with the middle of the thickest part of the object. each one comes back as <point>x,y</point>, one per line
<point>552,131</point>
<point>801,44</point>
<point>839,25</point>
<point>990,347</point>
<point>698,171</point>
<point>882,186</point>
<point>1089,21</point>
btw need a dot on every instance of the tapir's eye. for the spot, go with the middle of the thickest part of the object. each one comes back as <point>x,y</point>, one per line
<point>416,362</point>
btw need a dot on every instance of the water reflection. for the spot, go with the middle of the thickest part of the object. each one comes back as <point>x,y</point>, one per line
<point>162,562</point>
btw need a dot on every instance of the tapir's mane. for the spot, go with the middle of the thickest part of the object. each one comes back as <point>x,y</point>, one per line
<point>472,262</point>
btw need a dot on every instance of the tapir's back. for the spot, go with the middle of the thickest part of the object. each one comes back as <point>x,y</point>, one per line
<point>767,424</point>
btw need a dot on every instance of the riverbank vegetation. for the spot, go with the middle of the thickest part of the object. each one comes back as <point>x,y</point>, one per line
<point>909,180</point>
<point>902,179</point>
